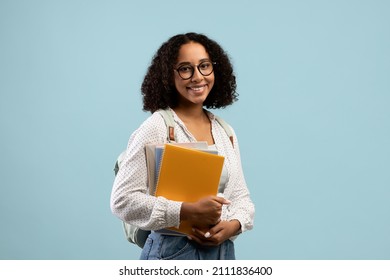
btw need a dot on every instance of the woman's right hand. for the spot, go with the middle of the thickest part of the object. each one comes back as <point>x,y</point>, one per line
<point>203,213</point>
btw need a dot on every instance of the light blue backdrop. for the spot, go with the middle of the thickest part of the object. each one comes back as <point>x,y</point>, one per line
<point>313,120</point>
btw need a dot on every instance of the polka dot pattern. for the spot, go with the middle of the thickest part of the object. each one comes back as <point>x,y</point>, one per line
<point>130,199</point>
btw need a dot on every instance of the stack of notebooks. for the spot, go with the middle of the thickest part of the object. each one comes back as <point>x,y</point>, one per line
<point>183,172</point>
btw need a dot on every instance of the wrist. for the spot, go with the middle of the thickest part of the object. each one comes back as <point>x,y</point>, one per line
<point>186,211</point>
<point>236,226</point>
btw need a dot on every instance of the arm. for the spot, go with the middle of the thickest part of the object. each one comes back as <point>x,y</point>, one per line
<point>204,213</point>
<point>242,207</point>
<point>238,216</point>
<point>130,199</point>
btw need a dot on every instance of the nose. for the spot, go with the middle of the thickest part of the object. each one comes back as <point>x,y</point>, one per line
<point>197,76</point>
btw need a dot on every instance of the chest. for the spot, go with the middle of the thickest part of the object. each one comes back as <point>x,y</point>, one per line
<point>201,132</point>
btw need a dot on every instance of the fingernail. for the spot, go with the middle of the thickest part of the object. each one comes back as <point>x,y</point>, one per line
<point>189,237</point>
<point>207,234</point>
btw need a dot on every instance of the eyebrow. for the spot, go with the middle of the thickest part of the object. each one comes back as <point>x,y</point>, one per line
<point>188,63</point>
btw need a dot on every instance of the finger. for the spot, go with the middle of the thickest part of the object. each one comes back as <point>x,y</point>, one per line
<point>200,241</point>
<point>204,237</point>
<point>211,232</point>
<point>212,237</point>
<point>199,233</point>
<point>207,235</point>
<point>217,227</point>
<point>222,200</point>
<point>214,232</point>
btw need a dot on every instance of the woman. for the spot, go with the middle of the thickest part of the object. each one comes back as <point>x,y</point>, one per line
<point>188,72</point>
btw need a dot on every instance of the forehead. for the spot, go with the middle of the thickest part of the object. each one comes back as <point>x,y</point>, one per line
<point>192,52</point>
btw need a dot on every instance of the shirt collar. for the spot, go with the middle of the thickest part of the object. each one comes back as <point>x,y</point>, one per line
<point>177,119</point>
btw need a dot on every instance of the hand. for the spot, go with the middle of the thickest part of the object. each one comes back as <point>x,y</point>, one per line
<point>217,234</point>
<point>203,213</point>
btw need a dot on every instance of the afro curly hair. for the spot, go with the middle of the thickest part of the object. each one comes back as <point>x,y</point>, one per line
<point>158,88</point>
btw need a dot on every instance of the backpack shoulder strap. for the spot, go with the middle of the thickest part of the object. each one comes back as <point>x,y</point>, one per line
<point>226,127</point>
<point>169,122</point>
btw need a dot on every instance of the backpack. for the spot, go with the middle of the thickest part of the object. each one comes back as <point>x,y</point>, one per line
<point>133,233</point>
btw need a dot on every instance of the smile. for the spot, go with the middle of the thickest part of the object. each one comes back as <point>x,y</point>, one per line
<point>197,88</point>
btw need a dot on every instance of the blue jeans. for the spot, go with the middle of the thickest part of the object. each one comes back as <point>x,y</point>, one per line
<point>166,247</point>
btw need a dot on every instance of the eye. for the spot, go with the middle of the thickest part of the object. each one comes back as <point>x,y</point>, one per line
<point>205,65</point>
<point>185,69</point>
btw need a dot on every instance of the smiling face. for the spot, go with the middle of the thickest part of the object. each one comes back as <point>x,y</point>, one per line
<point>195,90</point>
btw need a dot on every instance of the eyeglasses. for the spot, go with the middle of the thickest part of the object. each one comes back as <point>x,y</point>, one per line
<point>186,71</point>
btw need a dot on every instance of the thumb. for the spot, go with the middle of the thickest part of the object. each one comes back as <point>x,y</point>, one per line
<point>222,200</point>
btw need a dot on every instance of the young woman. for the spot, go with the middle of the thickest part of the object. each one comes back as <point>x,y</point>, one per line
<point>189,73</point>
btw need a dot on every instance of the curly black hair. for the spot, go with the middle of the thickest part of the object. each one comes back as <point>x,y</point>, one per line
<point>158,88</point>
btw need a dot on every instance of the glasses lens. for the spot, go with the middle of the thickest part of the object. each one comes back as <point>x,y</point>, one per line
<point>185,71</point>
<point>205,68</point>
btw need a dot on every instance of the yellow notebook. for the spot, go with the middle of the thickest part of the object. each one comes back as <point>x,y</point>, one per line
<point>188,175</point>
<point>150,153</point>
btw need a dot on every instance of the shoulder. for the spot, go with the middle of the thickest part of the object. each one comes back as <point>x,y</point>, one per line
<point>222,124</point>
<point>153,129</point>
<point>154,120</point>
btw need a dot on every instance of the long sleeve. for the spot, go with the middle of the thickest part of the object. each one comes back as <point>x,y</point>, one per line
<point>130,199</point>
<point>242,207</point>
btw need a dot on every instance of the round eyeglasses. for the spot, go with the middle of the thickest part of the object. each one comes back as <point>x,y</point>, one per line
<point>186,71</point>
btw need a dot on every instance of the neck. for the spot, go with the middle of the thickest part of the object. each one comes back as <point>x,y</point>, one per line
<point>190,112</point>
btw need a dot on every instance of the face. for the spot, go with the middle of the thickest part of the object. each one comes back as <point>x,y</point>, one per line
<point>194,90</point>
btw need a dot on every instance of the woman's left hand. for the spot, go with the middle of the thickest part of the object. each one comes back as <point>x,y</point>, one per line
<point>217,234</point>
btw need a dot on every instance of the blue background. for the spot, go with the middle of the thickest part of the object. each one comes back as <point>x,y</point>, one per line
<point>313,120</point>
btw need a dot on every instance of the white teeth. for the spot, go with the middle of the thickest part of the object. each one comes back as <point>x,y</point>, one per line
<point>197,88</point>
